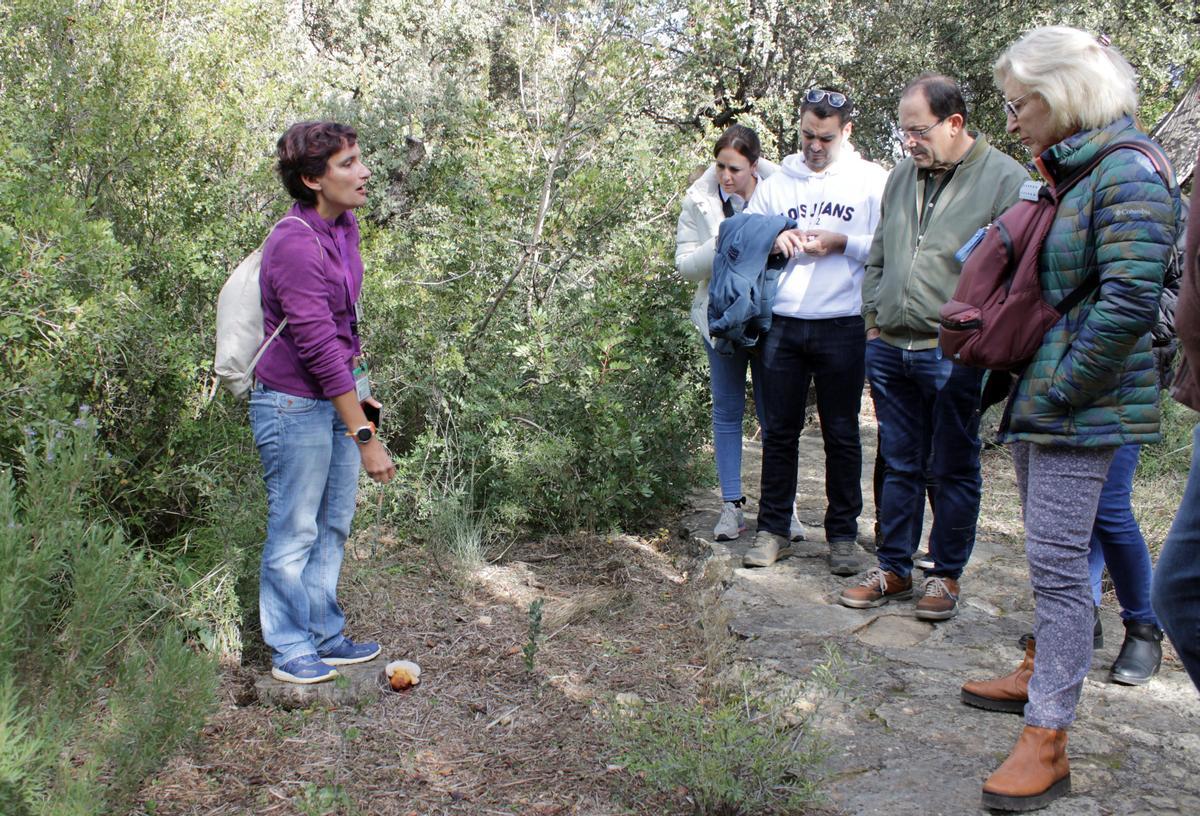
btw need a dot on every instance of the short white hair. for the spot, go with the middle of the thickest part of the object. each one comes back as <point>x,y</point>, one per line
<point>1086,84</point>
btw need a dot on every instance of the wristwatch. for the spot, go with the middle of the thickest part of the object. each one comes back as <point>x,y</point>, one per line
<point>364,434</point>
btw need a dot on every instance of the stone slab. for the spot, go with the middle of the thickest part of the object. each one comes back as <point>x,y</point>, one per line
<point>901,741</point>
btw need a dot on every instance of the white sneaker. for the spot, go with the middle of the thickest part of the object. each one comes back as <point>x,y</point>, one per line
<point>922,560</point>
<point>796,531</point>
<point>731,524</point>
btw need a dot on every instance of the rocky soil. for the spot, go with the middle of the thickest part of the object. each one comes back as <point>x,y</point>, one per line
<point>901,741</point>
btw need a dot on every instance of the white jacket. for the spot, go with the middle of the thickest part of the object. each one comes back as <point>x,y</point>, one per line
<point>696,236</point>
<point>844,198</point>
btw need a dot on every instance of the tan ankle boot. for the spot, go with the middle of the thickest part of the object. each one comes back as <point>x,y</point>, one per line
<point>1009,693</point>
<point>1034,775</point>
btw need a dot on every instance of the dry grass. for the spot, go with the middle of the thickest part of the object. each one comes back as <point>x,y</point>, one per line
<point>479,735</point>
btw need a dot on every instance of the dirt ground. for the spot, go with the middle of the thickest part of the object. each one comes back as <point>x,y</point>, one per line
<point>480,734</point>
<point>651,618</point>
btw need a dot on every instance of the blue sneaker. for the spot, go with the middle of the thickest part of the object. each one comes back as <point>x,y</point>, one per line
<point>304,670</point>
<point>348,652</point>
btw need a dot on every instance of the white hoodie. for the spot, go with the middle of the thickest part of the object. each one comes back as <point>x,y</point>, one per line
<point>843,198</point>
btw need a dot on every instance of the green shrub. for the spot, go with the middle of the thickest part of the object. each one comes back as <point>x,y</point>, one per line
<point>97,686</point>
<point>1171,457</point>
<point>747,753</point>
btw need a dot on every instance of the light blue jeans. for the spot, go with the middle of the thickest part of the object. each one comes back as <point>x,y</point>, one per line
<point>728,379</point>
<point>310,468</point>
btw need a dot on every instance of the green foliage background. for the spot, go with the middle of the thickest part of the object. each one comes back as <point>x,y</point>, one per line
<point>530,340</point>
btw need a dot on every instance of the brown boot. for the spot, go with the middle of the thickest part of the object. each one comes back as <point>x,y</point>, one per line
<point>1034,775</point>
<point>1009,693</point>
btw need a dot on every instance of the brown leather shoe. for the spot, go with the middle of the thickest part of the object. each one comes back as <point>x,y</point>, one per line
<point>1034,775</point>
<point>1009,693</point>
<point>940,601</point>
<point>877,588</point>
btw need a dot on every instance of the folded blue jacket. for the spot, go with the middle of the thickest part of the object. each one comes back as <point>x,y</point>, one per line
<point>744,276</point>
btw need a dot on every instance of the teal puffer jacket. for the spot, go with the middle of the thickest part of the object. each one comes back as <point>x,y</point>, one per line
<point>1093,383</point>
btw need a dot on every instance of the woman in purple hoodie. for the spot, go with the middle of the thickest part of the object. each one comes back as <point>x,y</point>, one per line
<point>307,406</point>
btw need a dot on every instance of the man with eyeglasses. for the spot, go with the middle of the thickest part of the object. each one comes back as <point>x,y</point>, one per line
<point>817,331</point>
<point>952,184</point>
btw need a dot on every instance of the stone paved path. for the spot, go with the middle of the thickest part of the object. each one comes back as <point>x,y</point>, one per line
<point>903,743</point>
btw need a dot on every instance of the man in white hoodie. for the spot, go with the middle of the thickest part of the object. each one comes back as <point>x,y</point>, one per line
<point>817,330</point>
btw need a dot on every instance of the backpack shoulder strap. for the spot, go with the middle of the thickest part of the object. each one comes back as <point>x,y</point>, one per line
<point>1146,148</point>
<point>1156,157</point>
<point>263,348</point>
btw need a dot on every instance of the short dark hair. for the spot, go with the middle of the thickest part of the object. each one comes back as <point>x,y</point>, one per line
<point>742,139</point>
<point>305,149</point>
<point>823,109</point>
<point>941,92</point>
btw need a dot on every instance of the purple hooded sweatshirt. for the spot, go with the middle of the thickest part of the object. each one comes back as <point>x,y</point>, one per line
<point>316,290</point>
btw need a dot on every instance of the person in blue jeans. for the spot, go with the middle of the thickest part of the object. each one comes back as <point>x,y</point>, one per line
<point>722,190</point>
<point>1176,590</point>
<point>307,405</point>
<point>1117,541</point>
<point>951,185</point>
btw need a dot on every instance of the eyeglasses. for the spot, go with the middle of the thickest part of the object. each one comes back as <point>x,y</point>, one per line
<point>918,134</point>
<point>815,95</point>
<point>1010,105</point>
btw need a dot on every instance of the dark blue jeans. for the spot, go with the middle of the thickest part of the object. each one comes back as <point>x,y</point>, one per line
<point>926,404</point>
<point>1176,592</point>
<point>1117,540</point>
<point>828,352</point>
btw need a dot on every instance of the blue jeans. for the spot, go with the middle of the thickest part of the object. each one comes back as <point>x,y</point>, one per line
<point>1117,540</point>
<point>1176,592</point>
<point>830,353</point>
<point>728,381</point>
<point>310,467</point>
<point>926,405</point>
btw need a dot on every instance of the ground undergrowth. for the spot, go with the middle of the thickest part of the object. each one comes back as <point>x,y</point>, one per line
<point>623,644</point>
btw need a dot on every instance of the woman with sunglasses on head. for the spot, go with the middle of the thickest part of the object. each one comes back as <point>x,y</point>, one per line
<point>1091,388</point>
<point>307,406</point>
<point>723,189</point>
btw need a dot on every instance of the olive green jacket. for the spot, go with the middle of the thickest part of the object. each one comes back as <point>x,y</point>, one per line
<point>911,269</point>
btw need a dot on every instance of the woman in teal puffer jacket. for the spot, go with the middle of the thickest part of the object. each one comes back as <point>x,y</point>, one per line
<point>1092,386</point>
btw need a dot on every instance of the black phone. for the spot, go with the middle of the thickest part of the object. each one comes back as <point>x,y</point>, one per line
<point>374,414</point>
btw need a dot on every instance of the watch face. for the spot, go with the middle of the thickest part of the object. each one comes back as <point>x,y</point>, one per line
<point>364,435</point>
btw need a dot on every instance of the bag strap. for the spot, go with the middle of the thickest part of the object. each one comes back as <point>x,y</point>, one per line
<point>263,348</point>
<point>1092,281</point>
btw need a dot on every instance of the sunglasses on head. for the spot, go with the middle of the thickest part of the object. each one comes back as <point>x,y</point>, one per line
<point>815,95</point>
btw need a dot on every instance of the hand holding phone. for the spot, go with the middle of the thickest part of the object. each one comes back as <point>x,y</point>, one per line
<point>373,410</point>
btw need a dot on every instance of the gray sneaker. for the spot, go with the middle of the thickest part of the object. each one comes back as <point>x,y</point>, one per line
<point>768,548</point>
<point>731,524</point>
<point>843,558</point>
<point>922,560</point>
<point>796,531</point>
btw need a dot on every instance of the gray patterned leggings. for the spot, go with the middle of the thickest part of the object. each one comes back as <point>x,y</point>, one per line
<point>1060,489</point>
